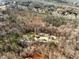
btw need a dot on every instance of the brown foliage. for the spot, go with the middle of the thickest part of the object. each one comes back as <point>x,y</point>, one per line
<point>35,56</point>
<point>36,21</point>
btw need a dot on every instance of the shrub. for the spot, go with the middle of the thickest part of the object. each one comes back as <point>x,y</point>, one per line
<point>12,37</point>
<point>55,21</point>
<point>8,43</point>
<point>11,19</point>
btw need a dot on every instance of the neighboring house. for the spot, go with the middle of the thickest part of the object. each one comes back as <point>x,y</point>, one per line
<point>22,7</point>
<point>3,8</point>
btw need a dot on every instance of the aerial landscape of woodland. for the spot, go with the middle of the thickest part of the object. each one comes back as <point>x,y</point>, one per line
<point>39,29</point>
